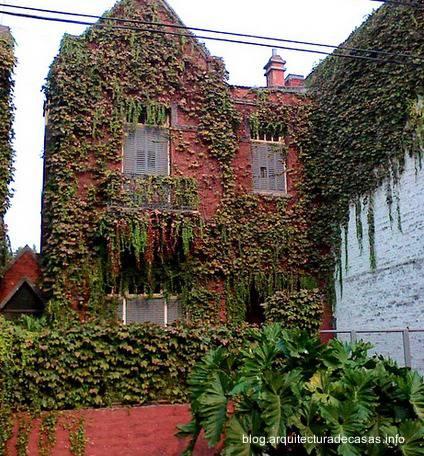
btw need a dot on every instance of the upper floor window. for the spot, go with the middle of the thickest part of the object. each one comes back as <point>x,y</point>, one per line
<point>146,151</point>
<point>268,167</point>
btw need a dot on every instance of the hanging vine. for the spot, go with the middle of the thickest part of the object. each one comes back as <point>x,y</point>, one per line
<point>105,233</point>
<point>363,124</point>
<point>7,64</point>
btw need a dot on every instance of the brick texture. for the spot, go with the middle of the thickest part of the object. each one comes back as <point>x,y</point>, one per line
<point>393,295</point>
<point>25,265</point>
<point>137,431</point>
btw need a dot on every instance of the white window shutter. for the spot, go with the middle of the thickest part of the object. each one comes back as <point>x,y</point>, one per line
<point>161,148</point>
<point>281,173</point>
<point>268,167</point>
<point>146,151</point>
<point>142,310</point>
<point>130,153</point>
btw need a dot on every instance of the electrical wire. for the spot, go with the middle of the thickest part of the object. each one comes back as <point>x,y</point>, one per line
<point>165,32</point>
<point>220,32</point>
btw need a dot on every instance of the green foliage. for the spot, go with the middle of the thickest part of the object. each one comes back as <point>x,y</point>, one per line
<point>94,365</point>
<point>6,427</point>
<point>366,117</point>
<point>24,429</point>
<point>286,383</point>
<point>296,310</point>
<point>143,234</point>
<point>7,64</point>
<point>47,434</point>
<point>201,305</point>
<point>77,438</point>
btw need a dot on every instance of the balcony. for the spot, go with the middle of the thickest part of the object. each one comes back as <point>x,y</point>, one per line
<point>165,193</point>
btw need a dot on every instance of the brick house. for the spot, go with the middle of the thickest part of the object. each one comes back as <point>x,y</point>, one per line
<point>19,286</point>
<point>149,153</point>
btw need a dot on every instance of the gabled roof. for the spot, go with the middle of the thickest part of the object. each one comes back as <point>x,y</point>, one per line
<point>178,21</point>
<point>20,254</point>
<point>15,290</point>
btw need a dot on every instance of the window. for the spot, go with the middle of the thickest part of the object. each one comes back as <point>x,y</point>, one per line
<point>146,151</point>
<point>268,167</point>
<point>141,309</point>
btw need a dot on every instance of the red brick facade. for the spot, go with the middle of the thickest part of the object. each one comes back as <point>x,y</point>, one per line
<point>24,267</point>
<point>143,431</point>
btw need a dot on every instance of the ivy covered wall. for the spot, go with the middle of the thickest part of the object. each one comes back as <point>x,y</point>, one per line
<point>367,116</point>
<point>232,248</point>
<point>7,63</point>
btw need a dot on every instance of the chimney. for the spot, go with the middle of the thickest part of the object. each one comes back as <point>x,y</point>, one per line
<point>295,80</point>
<point>274,70</point>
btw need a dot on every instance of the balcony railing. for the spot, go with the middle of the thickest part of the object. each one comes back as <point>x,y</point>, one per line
<point>173,193</point>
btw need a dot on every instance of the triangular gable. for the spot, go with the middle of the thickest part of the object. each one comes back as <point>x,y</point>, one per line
<point>24,267</point>
<point>24,298</point>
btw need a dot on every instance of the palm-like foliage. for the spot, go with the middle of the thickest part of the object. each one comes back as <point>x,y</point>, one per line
<point>287,383</point>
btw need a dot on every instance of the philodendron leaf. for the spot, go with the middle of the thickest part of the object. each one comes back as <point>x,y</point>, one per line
<point>413,433</point>
<point>278,402</point>
<point>347,449</point>
<point>416,397</point>
<point>213,407</point>
<point>238,441</point>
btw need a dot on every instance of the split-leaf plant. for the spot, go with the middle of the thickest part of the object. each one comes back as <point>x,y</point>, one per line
<point>286,384</point>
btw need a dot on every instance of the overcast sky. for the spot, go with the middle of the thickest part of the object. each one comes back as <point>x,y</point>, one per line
<point>325,21</point>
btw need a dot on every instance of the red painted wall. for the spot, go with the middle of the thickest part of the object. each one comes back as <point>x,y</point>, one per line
<point>24,266</point>
<point>136,431</point>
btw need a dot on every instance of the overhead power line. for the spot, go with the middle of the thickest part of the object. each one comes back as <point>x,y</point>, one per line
<point>219,32</point>
<point>226,40</point>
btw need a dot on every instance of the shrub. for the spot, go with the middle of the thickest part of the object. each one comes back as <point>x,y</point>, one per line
<point>286,383</point>
<point>297,309</point>
<point>93,365</point>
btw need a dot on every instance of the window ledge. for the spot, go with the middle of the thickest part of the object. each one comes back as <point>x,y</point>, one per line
<point>273,194</point>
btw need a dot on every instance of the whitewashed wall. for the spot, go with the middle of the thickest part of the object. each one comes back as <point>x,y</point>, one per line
<point>393,295</point>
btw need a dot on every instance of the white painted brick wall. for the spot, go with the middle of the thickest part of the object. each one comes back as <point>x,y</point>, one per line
<point>393,295</point>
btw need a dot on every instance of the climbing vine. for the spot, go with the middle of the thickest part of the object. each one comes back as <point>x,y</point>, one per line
<point>107,234</point>
<point>47,435</point>
<point>367,116</point>
<point>7,64</point>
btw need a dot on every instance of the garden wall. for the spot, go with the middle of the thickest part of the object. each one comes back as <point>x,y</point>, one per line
<point>392,296</point>
<point>142,431</point>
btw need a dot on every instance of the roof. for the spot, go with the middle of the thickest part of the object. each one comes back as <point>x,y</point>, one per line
<point>178,20</point>
<point>21,283</point>
<point>19,255</point>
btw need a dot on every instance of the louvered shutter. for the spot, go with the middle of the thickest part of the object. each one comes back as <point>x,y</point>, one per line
<point>158,148</point>
<point>142,310</point>
<point>146,151</point>
<point>281,172</point>
<point>174,311</point>
<point>130,153</point>
<point>260,166</point>
<point>268,167</point>
<point>271,157</point>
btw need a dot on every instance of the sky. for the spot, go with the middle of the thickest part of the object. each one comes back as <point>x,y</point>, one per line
<point>37,42</point>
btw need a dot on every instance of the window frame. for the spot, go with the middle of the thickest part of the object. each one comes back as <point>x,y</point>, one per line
<point>129,297</point>
<point>165,128</point>
<point>284,163</point>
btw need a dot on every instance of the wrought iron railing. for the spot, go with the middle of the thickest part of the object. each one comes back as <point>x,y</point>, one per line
<point>174,193</point>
